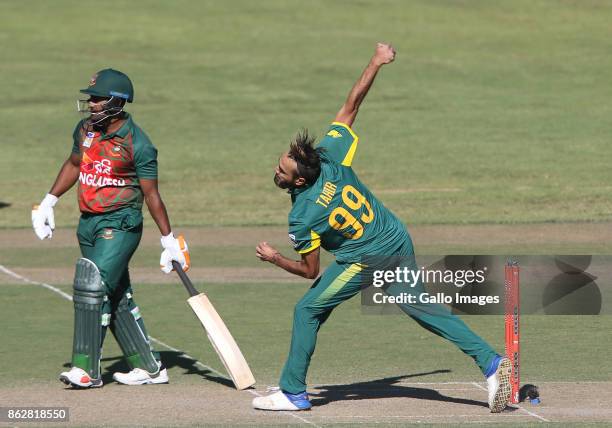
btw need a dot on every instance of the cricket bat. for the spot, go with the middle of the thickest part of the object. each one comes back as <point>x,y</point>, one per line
<point>218,334</point>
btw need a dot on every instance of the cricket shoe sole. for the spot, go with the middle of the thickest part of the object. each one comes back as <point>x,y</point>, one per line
<point>499,386</point>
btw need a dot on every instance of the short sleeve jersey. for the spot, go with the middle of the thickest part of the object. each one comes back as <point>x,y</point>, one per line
<point>338,212</point>
<point>111,167</point>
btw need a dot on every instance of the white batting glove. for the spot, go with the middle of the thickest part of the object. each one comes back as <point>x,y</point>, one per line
<point>174,249</point>
<point>43,220</point>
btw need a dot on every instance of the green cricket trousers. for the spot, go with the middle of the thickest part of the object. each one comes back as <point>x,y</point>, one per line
<point>340,282</point>
<point>109,240</point>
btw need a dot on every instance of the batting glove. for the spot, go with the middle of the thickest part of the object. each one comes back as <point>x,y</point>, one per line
<point>174,249</point>
<point>43,220</point>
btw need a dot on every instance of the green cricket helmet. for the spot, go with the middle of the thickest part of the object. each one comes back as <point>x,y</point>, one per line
<point>110,83</point>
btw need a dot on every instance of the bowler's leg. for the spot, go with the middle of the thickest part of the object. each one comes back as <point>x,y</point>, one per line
<point>439,319</point>
<point>338,283</point>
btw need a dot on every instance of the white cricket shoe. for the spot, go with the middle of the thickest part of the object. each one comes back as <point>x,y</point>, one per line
<point>142,377</point>
<point>499,386</point>
<point>280,400</point>
<point>78,378</point>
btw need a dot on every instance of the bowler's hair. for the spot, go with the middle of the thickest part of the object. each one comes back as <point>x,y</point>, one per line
<point>307,157</point>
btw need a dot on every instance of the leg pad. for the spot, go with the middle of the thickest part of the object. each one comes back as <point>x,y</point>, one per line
<point>88,296</point>
<point>131,337</point>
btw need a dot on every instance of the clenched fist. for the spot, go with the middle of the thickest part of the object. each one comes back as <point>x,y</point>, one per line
<point>384,54</point>
<point>174,249</point>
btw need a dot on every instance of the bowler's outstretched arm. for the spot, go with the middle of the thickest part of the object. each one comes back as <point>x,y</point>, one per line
<point>384,55</point>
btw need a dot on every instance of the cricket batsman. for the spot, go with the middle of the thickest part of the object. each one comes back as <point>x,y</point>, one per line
<point>332,209</point>
<point>115,166</point>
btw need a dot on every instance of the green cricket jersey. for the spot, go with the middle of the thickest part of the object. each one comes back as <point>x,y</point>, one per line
<point>338,212</point>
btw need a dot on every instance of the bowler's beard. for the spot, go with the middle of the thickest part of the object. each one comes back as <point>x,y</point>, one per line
<point>281,184</point>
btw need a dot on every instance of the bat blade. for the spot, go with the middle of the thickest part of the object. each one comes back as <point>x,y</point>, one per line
<point>222,341</point>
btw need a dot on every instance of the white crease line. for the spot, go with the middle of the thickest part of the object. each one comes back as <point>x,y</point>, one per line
<point>507,415</point>
<point>257,394</point>
<point>419,422</point>
<point>198,363</point>
<point>517,405</point>
<point>322,388</point>
<point>477,385</point>
<point>563,382</point>
<point>29,281</point>
<point>532,414</point>
<point>438,383</point>
<point>543,382</point>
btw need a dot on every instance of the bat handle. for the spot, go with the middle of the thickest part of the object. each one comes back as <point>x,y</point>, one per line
<point>184,278</point>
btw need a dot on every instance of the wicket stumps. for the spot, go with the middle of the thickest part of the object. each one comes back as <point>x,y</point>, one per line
<point>512,317</point>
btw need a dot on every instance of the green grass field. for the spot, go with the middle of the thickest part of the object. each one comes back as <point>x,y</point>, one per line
<point>492,112</point>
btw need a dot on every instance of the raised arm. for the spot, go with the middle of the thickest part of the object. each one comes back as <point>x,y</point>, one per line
<point>384,54</point>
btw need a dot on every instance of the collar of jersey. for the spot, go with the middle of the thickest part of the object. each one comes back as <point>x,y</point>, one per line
<point>298,191</point>
<point>121,132</point>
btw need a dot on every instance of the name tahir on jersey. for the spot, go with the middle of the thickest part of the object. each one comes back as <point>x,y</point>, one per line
<point>326,196</point>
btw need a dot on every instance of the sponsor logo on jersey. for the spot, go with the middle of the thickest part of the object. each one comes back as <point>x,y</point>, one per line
<point>102,166</point>
<point>334,134</point>
<point>88,139</point>
<point>292,239</point>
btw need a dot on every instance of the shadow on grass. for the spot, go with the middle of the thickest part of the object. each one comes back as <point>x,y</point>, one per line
<point>385,388</point>
<point>4,204</point>
<point>170,359</point>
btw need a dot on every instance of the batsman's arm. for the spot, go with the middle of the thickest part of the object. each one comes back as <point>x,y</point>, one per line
<point>68,175</point>
<point>384,54</point>
<point>156,205</point>
<point>173,248</point>
<point>43,217</point>
<point>307,267</point>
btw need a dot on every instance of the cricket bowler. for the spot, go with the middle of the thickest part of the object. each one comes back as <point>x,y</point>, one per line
<point>332,209</point>
<point>115,166</point>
